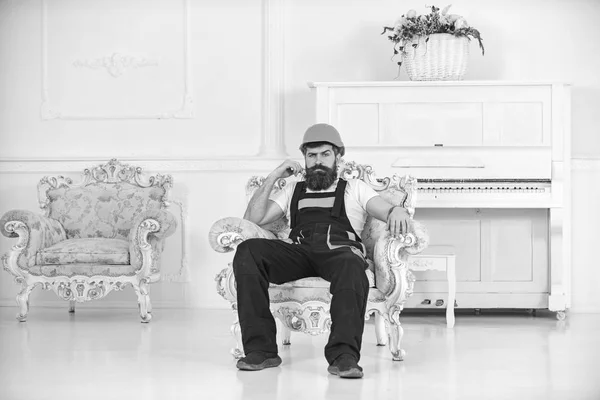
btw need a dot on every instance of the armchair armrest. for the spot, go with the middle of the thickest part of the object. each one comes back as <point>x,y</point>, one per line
<point>146,238</point>
<point>35,232</point>
<point>227,233</point>
<point>390,254</point>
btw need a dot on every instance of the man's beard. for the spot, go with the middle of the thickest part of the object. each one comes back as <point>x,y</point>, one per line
<point>320,177</point>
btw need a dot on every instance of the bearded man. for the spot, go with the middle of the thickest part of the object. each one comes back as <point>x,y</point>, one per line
<point>327,215</point>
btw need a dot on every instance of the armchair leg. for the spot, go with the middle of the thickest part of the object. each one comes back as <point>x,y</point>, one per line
<point>71,306</point>
<point>380,331</point>
<point>23,301</point>
<point>396,333</point>
<point>283,332</point>
<point>143,296</point>
<point>236,330</point>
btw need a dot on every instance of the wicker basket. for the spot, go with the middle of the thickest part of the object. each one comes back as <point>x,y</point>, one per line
<point>443,58</point>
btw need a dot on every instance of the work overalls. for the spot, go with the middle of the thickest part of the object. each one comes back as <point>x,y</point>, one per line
<point>324,245</point>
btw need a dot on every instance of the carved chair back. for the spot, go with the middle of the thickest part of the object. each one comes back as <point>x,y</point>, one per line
<point>105,203</point>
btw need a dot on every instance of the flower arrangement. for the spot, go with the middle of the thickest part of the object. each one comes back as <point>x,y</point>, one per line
<point>410,27</point>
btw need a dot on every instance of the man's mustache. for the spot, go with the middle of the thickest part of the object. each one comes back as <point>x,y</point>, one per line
<point>319,168</point>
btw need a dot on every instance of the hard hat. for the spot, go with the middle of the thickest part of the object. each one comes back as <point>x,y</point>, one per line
<point>323,133</point>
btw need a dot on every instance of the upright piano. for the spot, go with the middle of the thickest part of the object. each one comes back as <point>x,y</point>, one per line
<point>492,159</point>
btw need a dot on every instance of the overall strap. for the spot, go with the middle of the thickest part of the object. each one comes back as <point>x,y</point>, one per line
<point>339,198</point>
<point>298,190</point>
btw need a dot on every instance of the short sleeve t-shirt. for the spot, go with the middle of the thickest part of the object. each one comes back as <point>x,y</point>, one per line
<point>356,197</point>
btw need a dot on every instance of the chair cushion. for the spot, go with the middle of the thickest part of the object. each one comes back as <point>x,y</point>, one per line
<point>70,270</point>
<point>315,282</point>
<point>82,251</point>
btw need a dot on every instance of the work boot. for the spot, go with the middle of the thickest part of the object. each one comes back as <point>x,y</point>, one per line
<point>258,360</point>
<point>345,366</point>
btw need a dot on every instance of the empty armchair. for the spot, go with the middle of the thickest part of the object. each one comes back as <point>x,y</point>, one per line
<point>102,234</point>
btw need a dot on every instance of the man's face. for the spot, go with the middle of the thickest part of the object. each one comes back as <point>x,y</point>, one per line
<point>321,167</point>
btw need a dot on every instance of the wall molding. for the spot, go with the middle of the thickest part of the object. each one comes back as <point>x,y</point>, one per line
<point>49,112</point>
<point>273,76</point>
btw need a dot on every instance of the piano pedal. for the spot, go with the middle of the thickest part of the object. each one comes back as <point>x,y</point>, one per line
<point>426,302</point>
<point>439,302</point>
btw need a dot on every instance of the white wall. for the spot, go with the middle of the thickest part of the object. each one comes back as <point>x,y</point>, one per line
<point>221,69</point>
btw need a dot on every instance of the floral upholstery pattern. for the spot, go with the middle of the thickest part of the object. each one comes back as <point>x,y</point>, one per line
<point>43,232</point>
<point>70,270</point>
<point>88,250</point>
<point>102,209</point>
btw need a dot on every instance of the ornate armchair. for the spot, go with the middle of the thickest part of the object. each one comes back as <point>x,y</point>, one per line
<point>303,305</point>
<point>99,235</point>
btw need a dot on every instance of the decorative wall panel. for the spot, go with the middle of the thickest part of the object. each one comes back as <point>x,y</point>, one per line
<point>128,59</point>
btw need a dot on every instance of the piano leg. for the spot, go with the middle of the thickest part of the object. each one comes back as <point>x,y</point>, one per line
<point>559,261</point>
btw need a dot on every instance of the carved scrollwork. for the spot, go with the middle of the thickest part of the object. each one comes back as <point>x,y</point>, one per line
<point>311,319</point>
<point>20,229</point>
<point>116,64</point>
<point>9,259</point>
<point>226,284</point>
<point>81,289</point>
<point>112,172</point>
<point>48,183</point>
<point>353,170</point>
<point>393,247</point>
<point>219,279</point>
<point>229,240</point>
<point>146,227</point>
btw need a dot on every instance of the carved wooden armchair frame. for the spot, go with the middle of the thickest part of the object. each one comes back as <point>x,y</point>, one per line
<point>146,240</point>
<point>303,305</point>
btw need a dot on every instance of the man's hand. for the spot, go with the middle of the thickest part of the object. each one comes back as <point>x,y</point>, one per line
<point>395,217</point>
<point>397,221</point>
<point>286,169</point>
<point>260,209</point>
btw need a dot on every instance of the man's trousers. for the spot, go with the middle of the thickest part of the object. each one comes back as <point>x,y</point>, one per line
<point>258,262</point>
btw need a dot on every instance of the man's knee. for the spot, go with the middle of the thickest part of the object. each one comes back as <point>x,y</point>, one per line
<point>352,275</point>
<point>246,256</point>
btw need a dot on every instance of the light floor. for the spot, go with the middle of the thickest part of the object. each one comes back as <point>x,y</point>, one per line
<point>184,354</point>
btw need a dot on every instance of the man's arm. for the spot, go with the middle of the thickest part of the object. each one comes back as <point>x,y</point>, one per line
<point>261,210</point>
<point>396,217</point>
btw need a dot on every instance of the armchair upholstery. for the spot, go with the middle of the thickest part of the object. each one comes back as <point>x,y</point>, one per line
<point>303,305</point>
<point>99,235</point>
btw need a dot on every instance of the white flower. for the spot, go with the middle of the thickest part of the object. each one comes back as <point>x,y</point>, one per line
<point>411,14</point>
<point>452,18</point>
<point>461,23</point>
<point>444,20</point>
<point>445,10</point>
